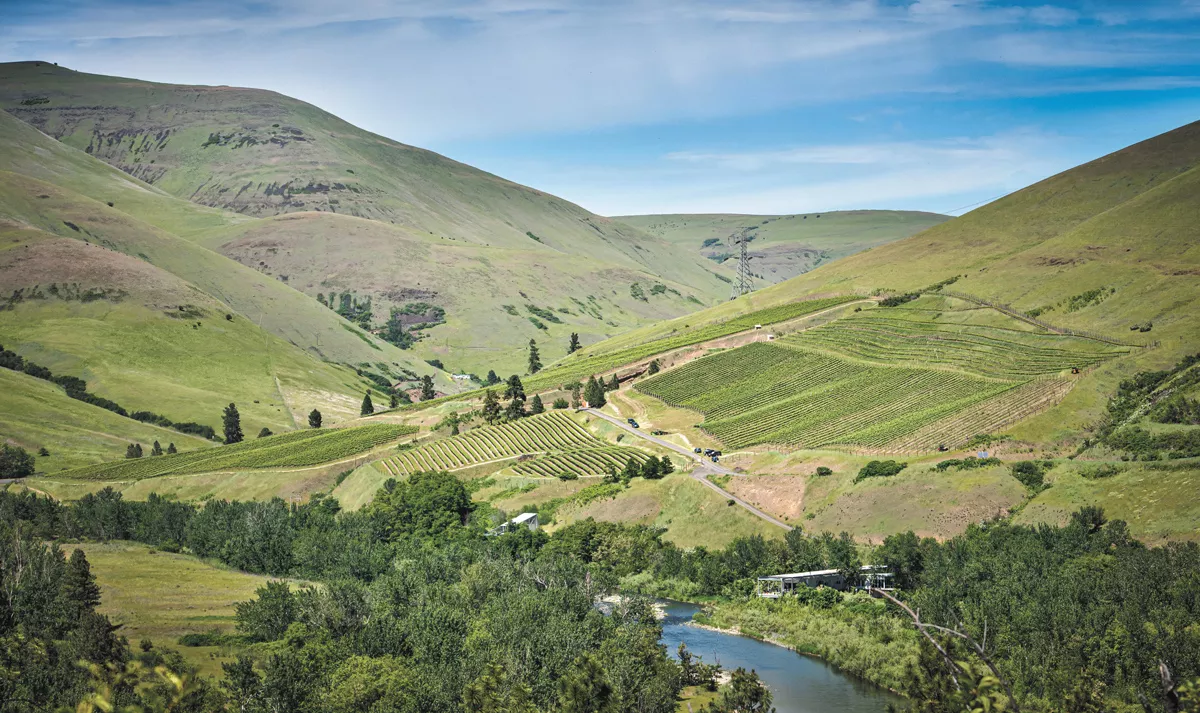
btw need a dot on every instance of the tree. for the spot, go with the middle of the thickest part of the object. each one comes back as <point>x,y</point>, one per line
<point>491,407</point>
<point>131,451</point>
<point>368,408</point>
<point>744,694</point>
<point>314,419</point>
<point>573,346</point>
<point>536,406</point>
<point>666,467</point>
<point>632,470</point>
<point>268,616</point>
<point>492,379</point>
<point>653,368</point>
<point>15,462</point>
<point>560,403</point>
<point>232,422</point>
<point>171,449</point>
<point>515,410</point>
<point>425,505</point>
<point>535,360</point>
<point>614,384</point>
<point>156,450</point>
<point>137,449</point>
<point>393,399</point>
<point>651,468</point>
<point>514,389</point>
<point>594,393</point>
<point>585,688</point>
<point>265,432</point>
<point>576,401</point>
<point>79,587</point>
<point>842,555</point>
<point>427,391</point>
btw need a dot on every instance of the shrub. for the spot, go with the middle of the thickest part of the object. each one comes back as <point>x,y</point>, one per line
<point>880,469</point>
<point>1030,472</point>
<point>822,470</point>
<point>1099,471</point>
<point>897,300</point>
<point>568,476</point>
<point>15,462</point>
<point>560,403</point>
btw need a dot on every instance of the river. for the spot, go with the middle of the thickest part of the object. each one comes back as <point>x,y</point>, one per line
<point>799,684</point>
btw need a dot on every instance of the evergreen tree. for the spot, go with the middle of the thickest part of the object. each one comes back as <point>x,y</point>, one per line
<point>492,379</point>
<point>427,391</point>
<point>233,424</point>
<point>573,346</point>
<point>665,466</point>
<point>650,469</point>
<point>156,450</point>
<point>79,587</point>
<point>314,419</point>
<point>368,408</point>
<point>535,406</point>
<point>130,451</point>
<point>514,389</point>
<point>610,474</point>
<point>631,470</point>
<point>137,449</point>
<point>585,688</point>
<point>594,393</point>
<point>576,400</point>
<point>491,407</point>
<point>653,368</point>
<point>614,384</point>
<point>393,399</point>
<point>171,449</point>
<point>454,426</point>
<point>744,694</point>
<point>535,360</point>
<point>515,410</point>
<point>265,432</point>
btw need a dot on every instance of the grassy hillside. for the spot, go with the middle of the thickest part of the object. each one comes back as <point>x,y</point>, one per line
<point>441,233</point>
<point>783,246</point>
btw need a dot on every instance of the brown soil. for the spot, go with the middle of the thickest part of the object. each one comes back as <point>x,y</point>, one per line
<point>779,495</point>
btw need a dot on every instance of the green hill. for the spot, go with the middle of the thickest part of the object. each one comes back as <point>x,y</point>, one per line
<point>444,234</point>
<point>783,246</point>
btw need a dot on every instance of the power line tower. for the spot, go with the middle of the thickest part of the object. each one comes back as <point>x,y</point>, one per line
<point>742,284</point>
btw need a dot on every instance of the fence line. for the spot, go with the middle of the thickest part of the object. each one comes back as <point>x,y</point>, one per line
<point>1017,314</point>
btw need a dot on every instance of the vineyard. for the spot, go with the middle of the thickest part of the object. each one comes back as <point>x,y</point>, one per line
<point>294,449</point>
<point>585,365</point>
<point>563,444</point>
<point>897,380</point>
<point>924,337</point>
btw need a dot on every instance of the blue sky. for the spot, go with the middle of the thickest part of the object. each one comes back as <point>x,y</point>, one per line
<point>757,106</point>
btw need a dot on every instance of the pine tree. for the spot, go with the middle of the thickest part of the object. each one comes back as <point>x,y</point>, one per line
<point>131,451</point>
<point>137,449</point>
<point>156,450</point>
<point>573,346</point>
<point>650,469</point>
<point>535,360</point>
<point>492,379</point>
<point>585,688</point>
<point>614,384</point>
<point>653,369</point>
<point>665,466</point>
<point>535,406</point>
<point>265,432</point>
<point>233,424</point>
<point>393,399</point>
<point>368,408</point>
<point>594,393</point>
<point>515,410</point>
<point>79,587</point>
<point>314,419</point>
<point>454,426</point>
<point>576,401</point>
<point>171,449</point>
<point>427,391</point>
<point>514,389</point>
<point>491,407</point>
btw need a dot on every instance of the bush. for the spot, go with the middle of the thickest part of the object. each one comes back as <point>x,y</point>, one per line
<point>560,403</point>
<point>1030,472</point>
<point>1099,471</point>
<point>568,476</point>
<point>968,463</point>
<point>880,469</point>
<point>822,470</point>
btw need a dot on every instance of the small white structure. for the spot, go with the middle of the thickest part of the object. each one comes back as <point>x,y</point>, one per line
<point>525,519</point>
<point>777,585</point>
<point>758,326</point>
<point>461,377</point>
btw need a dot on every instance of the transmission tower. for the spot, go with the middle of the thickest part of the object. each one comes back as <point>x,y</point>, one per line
<point>742,284</point>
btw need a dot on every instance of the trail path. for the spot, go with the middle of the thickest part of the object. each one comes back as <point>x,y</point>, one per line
<point>703,469</point>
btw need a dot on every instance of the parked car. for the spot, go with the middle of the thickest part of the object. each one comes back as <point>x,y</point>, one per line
<point>714,459</point>
<point>695,450</point>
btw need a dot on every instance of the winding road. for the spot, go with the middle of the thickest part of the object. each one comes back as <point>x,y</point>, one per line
<point>703,469</point>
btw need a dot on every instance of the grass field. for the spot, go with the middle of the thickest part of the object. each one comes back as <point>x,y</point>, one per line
<point>162,596</point>
<point>783,246</point>
<point>296,449</point>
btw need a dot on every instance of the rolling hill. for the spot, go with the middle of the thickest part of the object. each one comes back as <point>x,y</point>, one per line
<point>784,246</point>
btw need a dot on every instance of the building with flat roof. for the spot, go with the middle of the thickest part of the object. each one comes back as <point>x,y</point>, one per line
<point>525,519</point>
<point>777,585</point>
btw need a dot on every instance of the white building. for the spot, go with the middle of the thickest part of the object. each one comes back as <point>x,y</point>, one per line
<point>525,519</point>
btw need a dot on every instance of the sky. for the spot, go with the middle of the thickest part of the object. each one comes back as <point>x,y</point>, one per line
<point>672,106</point>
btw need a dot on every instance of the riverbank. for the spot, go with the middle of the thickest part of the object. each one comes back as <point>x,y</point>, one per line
<point>857,636</point>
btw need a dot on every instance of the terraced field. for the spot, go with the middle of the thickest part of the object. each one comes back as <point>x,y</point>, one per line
<point>294,449</point>
<point>896,380</point>
<point>921,336</point>
<point>565,446</point>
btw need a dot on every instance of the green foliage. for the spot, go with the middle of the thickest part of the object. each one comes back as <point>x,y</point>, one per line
<point>879,469</point>
<point>314,419</point>
<point>535,360</point>
<point>560,403</point>
<point>824,470</point>
<point>573,345</point>
<point>425,505</point>
<point>1177,409</point>
<point>427,392</point>
<point>543,313</point>
<point>267,616</point>
<point>1031,473</point>
<point>653,368</point>
<point>536,406</point>
<point>232,425</point>
<point>368,408</point>
<point>636,292</point>
<point>897,300</point>
<point>968,463</point>
<point>744,694</point>
<point>593,393</point>
<point>15,462</point>
<point>263,433</point>
<point>1086,299</point>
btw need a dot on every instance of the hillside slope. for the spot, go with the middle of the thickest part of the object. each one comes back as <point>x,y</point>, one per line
<point>784,246</point>
<point>1106,247</point>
